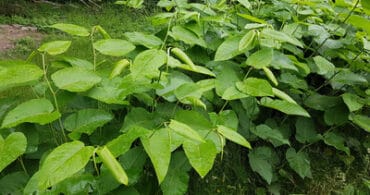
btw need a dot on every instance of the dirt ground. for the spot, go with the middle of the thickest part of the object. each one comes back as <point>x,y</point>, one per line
<point>10,33</point>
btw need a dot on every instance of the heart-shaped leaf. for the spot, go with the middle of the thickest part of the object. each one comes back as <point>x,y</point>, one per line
<point>11,148</point>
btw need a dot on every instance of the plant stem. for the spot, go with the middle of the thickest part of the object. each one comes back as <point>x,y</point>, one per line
<point>92,45</point>
<point>53,94</point>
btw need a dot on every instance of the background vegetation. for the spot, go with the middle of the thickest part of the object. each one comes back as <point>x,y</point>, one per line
<point>291,77</point>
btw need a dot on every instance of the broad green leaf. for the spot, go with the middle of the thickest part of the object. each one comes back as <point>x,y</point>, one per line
<point>113,165</point>
<point>177,179</point>
<point>284,106</point>
<point>247,40</point>
<point>17,73</point>
<point>282,61</point>
<point>305,131</point>
<point>175,80</point>
<point>147,40</point>
<point>189,93</point>
<point>282,95</point>
<point>64,161</point>
<point>273,135</point>
<point>139,117</point>
<point>114,47</point>
<point>13,183</point>
<point>233,136</point>
<point>280,36</point>
<point>261,58</point>
<point>321,102</point>
<point>158,148</point>
<point>255,87</point>
<point>324,67</point>
<point>75,79</point>
<point>299,162</point>
<point>226,118</point>
<point>76,184</point>
<point>55,47</point>
<point>133,162</point>
<point>72,29</point>
<point>201,155</point>
<point>360,22</point>
<point>228,49</point>
<point>361,120</point>
<point>38,111</point>
<point>77,62</point>
<point>109,91</point>
<point>347,77</point>
<point>227,73</point>
<point>185,131</point>
<point>122,143</point>
<point>147,63</point>
<point>353,101</point>
<point>11,148</point>
<point>87,121</point>
<point>262,161</point>
<point>137,4</point>
<point>180,33</point>
<point>336,115</point>
<point>337,141</point>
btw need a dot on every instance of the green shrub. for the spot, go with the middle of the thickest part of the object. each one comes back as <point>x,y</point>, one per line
<point>276,78</point>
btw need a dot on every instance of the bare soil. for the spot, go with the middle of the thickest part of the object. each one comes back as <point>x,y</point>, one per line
<point>9,34</point>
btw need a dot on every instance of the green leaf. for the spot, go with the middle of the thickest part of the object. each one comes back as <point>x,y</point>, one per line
<point>109,91</point>
<point>261,58</point>
<point>252,18</point>
<point>299,162</point>
<point>227,73</point>
<point>273,135</point>
<point>55,47</point>
<point>114,47</point>
<point>175,80</point>
<point>133,162</point>
<point>148,62</point>
<point>139,117</point>
<point>352,101</point>
<point>337,141</point>
<point>228,49</point>
<point>77,62</point>
<point>201,155</point>
<point>180,33</point>
<point>233,136</point>
<point>87,121</point>
<point>262,160</point>
<point>324,67</point>
<point>185,131</point>
<point>64,161</point>
<point>122,143</point>
<point>38,111</point>
<point>158,148</point>
<point>321,102</point>
<point>337,115</point>
<point>113,165</point>
<point>17,73</point>
<point>177,179</point>
<point>72,29</point>
<point>147,40</point>
<point>13,183</point>
<point>360,22</point>
<point>284,106</point>
<point>11,148</point>
<point>75,79</point>
<point>305,131</point>
<point>361,120</point>
<point>76,184</point>
<point>280,36</point>
<point>247,40</point>
<point>255,87</point>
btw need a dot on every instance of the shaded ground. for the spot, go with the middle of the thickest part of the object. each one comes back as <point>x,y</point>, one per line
<point>9,34</point>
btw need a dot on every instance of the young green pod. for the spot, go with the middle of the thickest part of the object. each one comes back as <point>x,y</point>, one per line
<point>183,57</point>
<point>282,95</point>
<point>102,32</point>
<point>113,165</point>
<point>119,67</point>
<point>270,75</point>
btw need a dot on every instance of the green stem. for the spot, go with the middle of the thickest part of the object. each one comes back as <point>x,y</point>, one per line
<point>53,94</point>
<point>92,45</point>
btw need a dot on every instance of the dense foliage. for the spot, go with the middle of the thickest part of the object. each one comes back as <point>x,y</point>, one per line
<point>284,75</point>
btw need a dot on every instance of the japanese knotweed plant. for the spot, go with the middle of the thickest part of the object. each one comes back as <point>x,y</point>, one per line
<point>283,75</point>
